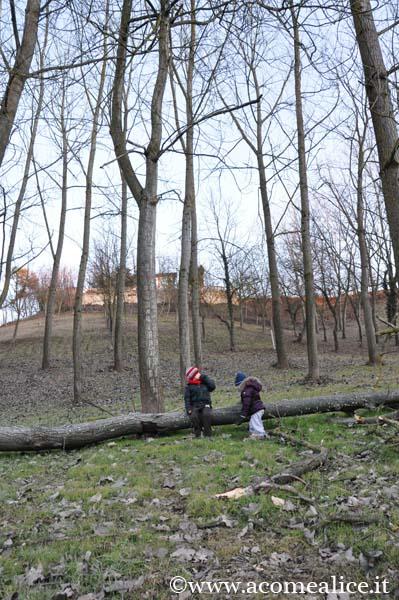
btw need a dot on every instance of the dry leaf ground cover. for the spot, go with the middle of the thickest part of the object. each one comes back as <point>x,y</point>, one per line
<point>119,520</point>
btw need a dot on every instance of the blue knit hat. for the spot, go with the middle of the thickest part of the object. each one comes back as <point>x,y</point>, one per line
<point>239,378</point>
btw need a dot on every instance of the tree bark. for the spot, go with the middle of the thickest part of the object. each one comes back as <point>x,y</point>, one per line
<point>68,437</point>
<point>382,113</point>
<point>18,74</point>
<point>311,339</point>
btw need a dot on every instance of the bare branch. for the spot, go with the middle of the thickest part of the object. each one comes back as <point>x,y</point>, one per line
<point>215,113</point>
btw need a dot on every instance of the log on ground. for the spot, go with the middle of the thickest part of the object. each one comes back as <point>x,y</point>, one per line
<point>68,437</point>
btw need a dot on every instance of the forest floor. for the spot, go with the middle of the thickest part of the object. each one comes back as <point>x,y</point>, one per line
<point>121,519</point>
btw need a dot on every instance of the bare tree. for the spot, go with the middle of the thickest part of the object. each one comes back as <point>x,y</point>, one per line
<point>364,254</point>
<point>23,300</point>
<point>146,197</point>
<point>361,152</point>
<point>259,284</point>
<point>184,74</point>
<point>291,277</point>
<point>376,80</point>
<point>249,42</point>
<point>195,287</point>
<point>311,339</point>
<point>77,320</point>
<point>122,271</point>
<point>330,244</point>
<point>25,178</point>
<point>189,200</point>
<point>120,284</point>
<point>226,250</point>
<point>18,72</point>
<point>61,231</point>
<point>167,284</point>
<point>244,279</point>
<point>103,274</point>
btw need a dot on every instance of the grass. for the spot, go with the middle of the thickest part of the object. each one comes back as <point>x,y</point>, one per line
<point>135,515</point>
<point>120,510</point>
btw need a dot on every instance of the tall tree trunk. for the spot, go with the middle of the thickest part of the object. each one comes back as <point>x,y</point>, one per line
<point>356,311</point>
<point>311,340</point>
<point>241,308</point>
<point>374,291</point>
<point>52,293</point>
<point>257,149</point>
<point>18,74</point>
<point>183,289</point>
<point>335,311</point>
<point>189,201</point>
<point>341,326</point>
<point>323,325</point>
<point>78,304</point>
<point>343,316</point>
<point>120,284</point>
<point>121,276</point>
<point>147,309</point>
<point>364,262</point>
<point>282,361</point>
<point>229,298</point>
<point>146,198</point>
<point>15,332</point>
<point>335,333</point>
<point>382,113</point>
<point>195,288</point>
<point>25,178</point>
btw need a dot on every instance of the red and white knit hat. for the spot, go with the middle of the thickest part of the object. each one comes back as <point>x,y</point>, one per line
<point>191,373</point>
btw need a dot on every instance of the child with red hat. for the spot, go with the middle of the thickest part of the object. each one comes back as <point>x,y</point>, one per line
<point>197,399</point>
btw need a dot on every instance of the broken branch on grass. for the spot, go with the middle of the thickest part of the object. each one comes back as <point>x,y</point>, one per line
<point>279,481</point>
<point>293,440</point>
<point>300,468</point>
<point>389,421</point>
<point>267,486</point>
<point>353,518</point>
<point>360,420</point>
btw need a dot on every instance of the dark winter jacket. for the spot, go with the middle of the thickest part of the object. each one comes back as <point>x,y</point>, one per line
<point>199,395</point>
<point>250,390</point>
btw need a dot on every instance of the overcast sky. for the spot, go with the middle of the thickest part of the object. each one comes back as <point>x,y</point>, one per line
<point>229,176</point>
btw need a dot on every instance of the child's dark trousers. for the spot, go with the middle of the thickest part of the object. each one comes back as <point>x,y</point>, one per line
<point>201,420</point>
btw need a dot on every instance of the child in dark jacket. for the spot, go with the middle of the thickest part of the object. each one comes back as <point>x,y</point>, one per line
<point>252,406</point>
<point>197,399</point>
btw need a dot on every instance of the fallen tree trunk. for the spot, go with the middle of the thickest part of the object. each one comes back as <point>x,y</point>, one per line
<point>68,437</point>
